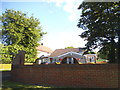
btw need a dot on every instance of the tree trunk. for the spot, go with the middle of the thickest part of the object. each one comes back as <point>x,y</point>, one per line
<point>118,49</point>
<point>112,54</point>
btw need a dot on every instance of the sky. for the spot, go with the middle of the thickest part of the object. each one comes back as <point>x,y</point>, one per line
<point>59,18</point>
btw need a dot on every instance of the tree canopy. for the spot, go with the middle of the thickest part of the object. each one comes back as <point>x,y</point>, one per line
<point>20,32</point>
<point>89,52</point>
<point>101,22</point>
<point>69,47</point>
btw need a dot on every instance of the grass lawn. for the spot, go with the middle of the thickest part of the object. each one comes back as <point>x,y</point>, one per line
<point>5,67</point>
<point>10,84</point>
<point>99,60</point>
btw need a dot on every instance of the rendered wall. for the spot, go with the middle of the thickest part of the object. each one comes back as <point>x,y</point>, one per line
<point>87,76</point>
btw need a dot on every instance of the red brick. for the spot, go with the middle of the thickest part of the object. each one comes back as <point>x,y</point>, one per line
<point>88,76</point>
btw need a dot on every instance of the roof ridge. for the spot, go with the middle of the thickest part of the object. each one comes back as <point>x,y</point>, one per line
<point>44,49</point>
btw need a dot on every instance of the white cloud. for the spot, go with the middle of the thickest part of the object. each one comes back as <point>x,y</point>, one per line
<point>73,17</point>
<point>69,6</point>
<point>55,40</point>
<point>63,39</point>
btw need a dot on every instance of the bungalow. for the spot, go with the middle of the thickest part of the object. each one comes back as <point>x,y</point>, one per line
<point>65,56</point>
<point>68,56</point>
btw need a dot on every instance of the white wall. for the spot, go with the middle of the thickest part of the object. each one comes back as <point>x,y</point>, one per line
<point>40,53</point>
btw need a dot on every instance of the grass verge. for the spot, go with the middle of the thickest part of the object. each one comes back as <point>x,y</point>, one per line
<point>7,67</point>
<point>10,84</point>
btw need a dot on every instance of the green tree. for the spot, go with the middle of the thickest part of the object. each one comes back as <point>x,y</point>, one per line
<point>20,32</point>
<point>0,34</point>
<point>101,22</point>
<point>89,52</point>
<point>69,47</point>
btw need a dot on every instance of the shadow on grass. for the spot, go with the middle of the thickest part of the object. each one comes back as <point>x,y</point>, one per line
<point>10,85</point>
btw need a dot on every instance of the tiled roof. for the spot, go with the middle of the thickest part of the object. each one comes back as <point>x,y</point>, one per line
<point>44,49</point>
<point>58,52</point>
<point>90,55</point>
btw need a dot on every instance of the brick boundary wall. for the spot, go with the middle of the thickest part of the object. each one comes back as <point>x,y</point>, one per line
<point>6,75</point>
<point>80,76</point>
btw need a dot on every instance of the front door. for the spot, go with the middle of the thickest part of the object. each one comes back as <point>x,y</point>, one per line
<point>70,60</point>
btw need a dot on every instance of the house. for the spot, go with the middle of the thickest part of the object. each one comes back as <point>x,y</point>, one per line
<point>90,58</point>
<point>68,56</point>
<point>43,53</point>
<point>64,56</point>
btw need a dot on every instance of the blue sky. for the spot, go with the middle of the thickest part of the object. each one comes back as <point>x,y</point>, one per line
<point>58,18</point>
